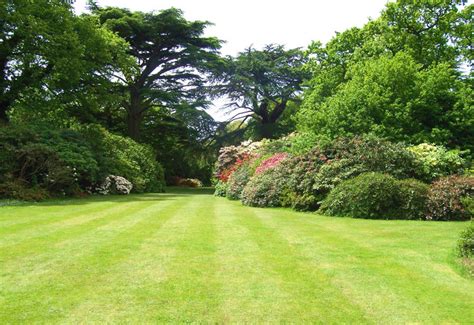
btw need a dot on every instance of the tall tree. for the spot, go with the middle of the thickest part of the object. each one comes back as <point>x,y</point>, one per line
<point>47,52</point>
<point>260,83</point>
<point>399,76</point>
<point>172,58</point>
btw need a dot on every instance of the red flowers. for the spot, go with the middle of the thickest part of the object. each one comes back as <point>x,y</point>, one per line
<point>270,162</point>
<point>225,174</point>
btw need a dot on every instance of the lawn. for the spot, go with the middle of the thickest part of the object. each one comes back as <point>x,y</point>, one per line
<point>186,256</point>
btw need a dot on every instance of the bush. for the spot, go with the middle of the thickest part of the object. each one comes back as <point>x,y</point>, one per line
<point>237,182</point>
<point>435,161</point>
<point>314,174</point>
<point>60,161</point>
<point>220,189</point>
<point>466,242</point>
<point>299,190</point>
<point>369,195</point>
<point>264,189</point>
<point>115,185</point>
<point>118,155</point>
<point>189,182</point>
<point>18,190</point>
<point>271,162</point>
<point>375,155</point>
<point>70,162</point>
<point>414,196</point>
<point>445,198</point>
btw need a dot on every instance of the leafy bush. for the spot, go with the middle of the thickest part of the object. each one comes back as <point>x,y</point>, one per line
<point>466,242</point>
<point>445,198</point>
<point>369,195</point>
<point>300,171</point>
<point>71,162</point>
<point>375,155</point>
<point>237,181</point>
<point>60,161</point>
<point>413,196</point>
<point>18,190</point>
<point>264,189</point>
<point>122,156</point>
<point>314,174</point>
<point>220,189</point>
<point>435,161</point>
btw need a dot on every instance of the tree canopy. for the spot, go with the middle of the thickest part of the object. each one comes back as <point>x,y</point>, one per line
<point>261,83</point>
<point>401,76</point>
<point>171,58</point>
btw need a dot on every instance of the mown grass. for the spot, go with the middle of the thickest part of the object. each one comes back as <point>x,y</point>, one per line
<point>186,256</point>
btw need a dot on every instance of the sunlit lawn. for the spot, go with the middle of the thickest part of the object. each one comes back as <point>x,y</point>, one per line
<point>187,256</point>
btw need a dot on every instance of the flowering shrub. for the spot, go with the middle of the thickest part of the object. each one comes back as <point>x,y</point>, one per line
<point>271,162</point>
<point>445,198</point>
<point>237,181</point>
<point>233,156</point>
<point>300,172</point>
<point>189,182</point>
<point>115,185</point>
<point>265,189</point>
<point>435,161</point>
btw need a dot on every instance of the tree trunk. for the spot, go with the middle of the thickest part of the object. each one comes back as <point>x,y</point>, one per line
<point>134,115</point>
<point>3,111</point>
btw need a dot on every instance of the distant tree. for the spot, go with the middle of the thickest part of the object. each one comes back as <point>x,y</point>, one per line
<point>260,84</point>
<point>171,60</point>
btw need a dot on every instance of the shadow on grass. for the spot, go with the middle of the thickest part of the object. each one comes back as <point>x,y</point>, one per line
<point>170,193</point>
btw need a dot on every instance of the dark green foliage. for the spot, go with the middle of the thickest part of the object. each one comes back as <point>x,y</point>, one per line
<point>466,242</point>
<point>20,190</point>
<point>375,154</point>
<point>171,58</point>
<point>60,161</point>
<point>445,198</point>
<point>299,192</point>
<point>124,157</point>
<point>237,181</point>
<point>369,195</point>
<point>414,196</point>
<point>68,162</point>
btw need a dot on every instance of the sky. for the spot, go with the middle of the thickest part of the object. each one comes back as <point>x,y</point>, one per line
<point>294,23</point>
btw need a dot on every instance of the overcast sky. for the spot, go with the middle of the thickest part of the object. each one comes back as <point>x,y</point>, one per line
<point>294,23</point>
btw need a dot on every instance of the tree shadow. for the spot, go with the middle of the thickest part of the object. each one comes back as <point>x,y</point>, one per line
<point>171,193</point>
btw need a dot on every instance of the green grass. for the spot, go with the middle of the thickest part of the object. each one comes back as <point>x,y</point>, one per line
<point>186,256</point>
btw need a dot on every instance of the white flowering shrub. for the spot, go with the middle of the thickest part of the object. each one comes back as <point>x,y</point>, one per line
<point>115,185</point>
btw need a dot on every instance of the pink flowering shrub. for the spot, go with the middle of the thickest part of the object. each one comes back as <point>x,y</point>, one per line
<point>271,162</point>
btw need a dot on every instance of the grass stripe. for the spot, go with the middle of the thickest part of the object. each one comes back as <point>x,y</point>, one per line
<point>249,293</point>
<point>313,299</point>
<point>369,266</point>
<point>74,280</point>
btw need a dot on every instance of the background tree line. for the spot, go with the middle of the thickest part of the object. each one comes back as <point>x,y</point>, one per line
<point>150,76</point>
